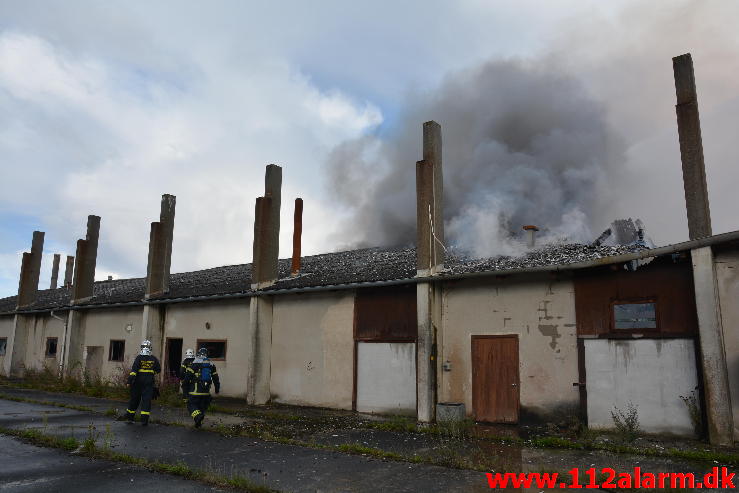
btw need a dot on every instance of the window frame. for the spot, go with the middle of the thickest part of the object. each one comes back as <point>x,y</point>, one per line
<point>225,347</point>
<point>56,347</point>
<point>4,346</point>
<point>635,301</point>
<point>123,350</point>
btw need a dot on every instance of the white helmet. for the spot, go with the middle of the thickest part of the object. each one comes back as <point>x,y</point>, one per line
<point>146,348</point>
<point>189,353</point>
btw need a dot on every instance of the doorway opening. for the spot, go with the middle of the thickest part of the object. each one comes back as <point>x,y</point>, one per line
<point>174,357</point>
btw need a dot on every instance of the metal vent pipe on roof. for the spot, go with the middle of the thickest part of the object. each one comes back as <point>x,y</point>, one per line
<point>531,235</point>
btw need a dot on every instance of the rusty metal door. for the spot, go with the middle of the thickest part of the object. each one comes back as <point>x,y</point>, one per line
<point>495,379</point>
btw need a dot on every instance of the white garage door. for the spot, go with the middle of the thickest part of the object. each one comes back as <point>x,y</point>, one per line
<point>650,373</point>
<point>386,377</point>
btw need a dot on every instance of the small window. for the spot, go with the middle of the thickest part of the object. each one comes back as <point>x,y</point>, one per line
<point>216,349</point>
<point>51,343</point>
<point>117,350</point>
<point>3,343</point>
<point>635,316</point>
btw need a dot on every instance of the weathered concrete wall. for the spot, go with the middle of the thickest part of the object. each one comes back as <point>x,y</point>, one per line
<point>541,311</point>
<point>651,374</point>
<point>386,377</point>
<point>313,349</point>
<point>6,332</point>
<point>727,276</point>
<point>228,320</point>
<point>100,326</point>
<point>40,327</point>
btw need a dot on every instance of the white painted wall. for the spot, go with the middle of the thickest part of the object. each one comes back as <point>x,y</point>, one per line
<point>386,377</point>
<point>650,373</point>
<point>537,308</point>
<point>228,320</point>
<point>101,325</point>
<point>42,327</point>
<point>313,349</point>
<point>727,277</point>
<point>6,331</point>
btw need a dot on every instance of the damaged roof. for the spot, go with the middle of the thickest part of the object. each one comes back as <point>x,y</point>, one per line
<point>354,267</point>
<point>330,269</point>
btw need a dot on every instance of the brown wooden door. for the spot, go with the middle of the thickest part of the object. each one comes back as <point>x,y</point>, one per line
<point>495,382</point>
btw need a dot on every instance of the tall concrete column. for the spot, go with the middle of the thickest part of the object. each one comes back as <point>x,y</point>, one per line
<point>55,271</point>
<point>83,284</point>
<point>30,272</point>
<point>84,269</point>
<point>158,273</point>
<point>691,148</point>
<point>713,356</point>
<point>68,271</point>
<point>264,273</point>
<point>74,344</point>
<point>429,261</point>
<point>266,248</point>
<point>259,350</point>
<point>15,350</point>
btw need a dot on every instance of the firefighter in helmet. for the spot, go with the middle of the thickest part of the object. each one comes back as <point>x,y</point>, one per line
<point>142,380</point>
<point>189,358</point>
<point>200,376</point>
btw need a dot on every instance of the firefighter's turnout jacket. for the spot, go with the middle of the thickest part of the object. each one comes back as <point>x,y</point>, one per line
<point>198,397</point>
<point>183,374</point>
<point>193,378</point>
<point>142,382</point>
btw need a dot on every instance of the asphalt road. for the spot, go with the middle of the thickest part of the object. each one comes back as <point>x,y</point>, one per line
<point>27,468</point>
<point>282,467</point>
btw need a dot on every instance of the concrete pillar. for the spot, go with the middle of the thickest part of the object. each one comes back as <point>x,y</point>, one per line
<point>691,148</point>
<point>264,273</point>
<point>74,344</point>
<point>69,271</point>
<point>297,234</point>
<point>84,269</point>
<point>160,249</point>
<point>430,260</point>
<point>713,355</point>
<point>266,247</point>
<point>152,328</point>
<point>55,271</point>
<point>259,350</point>
<point>30,272</point>
<point>429,203</point>
<point>166,219</point>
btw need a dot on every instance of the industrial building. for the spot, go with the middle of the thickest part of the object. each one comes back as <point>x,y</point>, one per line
<point>565,330</point>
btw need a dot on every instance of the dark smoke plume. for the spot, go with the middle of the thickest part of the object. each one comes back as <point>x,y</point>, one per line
<point>522,145</point>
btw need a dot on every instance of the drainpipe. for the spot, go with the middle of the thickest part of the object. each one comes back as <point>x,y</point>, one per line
<point>64,342</point>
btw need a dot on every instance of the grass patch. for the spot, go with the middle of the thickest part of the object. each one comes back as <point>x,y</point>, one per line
<point>89,449</point>
<point>358,449</point>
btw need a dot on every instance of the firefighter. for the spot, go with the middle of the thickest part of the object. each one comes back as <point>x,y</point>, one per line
<point>201,374</point>
<point>141,380</point>
<point>189,357</point>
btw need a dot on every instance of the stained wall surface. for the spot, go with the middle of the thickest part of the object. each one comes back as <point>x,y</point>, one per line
<point>727,276</point>
<point>540,310</point>
<point>648,374</point>
<point>217,321</point>
<point>102,325</point>
<point>313,349</point>
<point>6,332</point>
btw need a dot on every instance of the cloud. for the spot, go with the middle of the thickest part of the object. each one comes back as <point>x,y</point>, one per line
<point>85,136</point>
